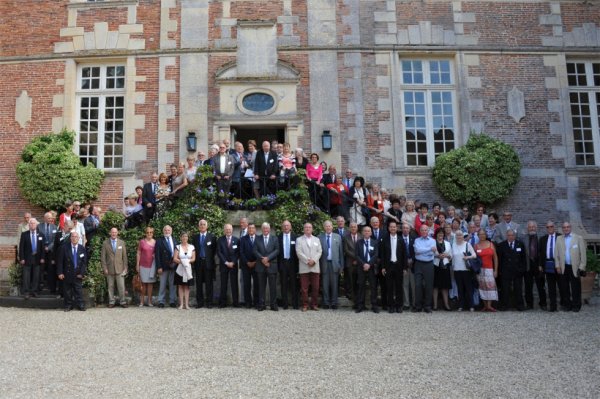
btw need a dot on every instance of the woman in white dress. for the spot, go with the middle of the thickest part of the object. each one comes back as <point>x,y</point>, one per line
<point>359,194</point>
<point>184,257</point>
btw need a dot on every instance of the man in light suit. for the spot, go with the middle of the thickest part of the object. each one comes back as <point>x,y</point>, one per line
<point>288,264</point>
<point>507,224</point>
<point>31,255</point>
<point>393,262</point>
<point>367,250</point>
<point>223,167</point>
<point>266,250</point>
<point>309,251</point>
<point>114,264</point>
<point>228,250</point>
<point>331,263</point>
<point>206,248</point>
<point>571,260</point>
<point>165,267</point>
<point>351,261</point>
<point>71,269</point>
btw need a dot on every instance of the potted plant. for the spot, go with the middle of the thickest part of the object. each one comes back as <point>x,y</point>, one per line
<point>592,269</point>
<point>15,276</point>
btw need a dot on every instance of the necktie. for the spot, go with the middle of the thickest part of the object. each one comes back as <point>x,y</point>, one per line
<point>376,234</point>
<point>551,253</point>
<point>347,182</point>
<point>75,258</point>
<point>472,240</point>
<point>202,239</point>
<point>286,246</point>
<point>406,244</point>
<point>252,240</point>
<point>328,241</point>
<point>114,245</point>
<point>532,247</point>
<point>229,242</point>
<point>33,243</point>
<point>367,250</point>
<point>512,245</point>
<point>266,241</point>
<point>354,239</point>
<point>47,231</point>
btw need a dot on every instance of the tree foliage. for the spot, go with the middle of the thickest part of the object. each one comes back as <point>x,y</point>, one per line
<point>485,170</point>
<point>50,173</point>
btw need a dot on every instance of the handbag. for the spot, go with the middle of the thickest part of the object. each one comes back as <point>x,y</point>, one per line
<point>473,264</point>
<point>137,283</point>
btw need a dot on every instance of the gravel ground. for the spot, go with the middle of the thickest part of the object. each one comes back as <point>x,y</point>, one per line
<point>246,354</point>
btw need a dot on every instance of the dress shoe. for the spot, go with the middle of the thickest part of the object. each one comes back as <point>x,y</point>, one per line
<point>390,310</point>
<point>325,306</point>
<point>34,295</point>
<point>222,306</point>
<point>295,307</point>
<point>375,310</point>
<point>358,309</point>
<point>68,309</point>
<point>406,307</point>
<point>427,310</point>
<point>334,307</point>
<point>124,305</point>
<point>112,305</point>
<point>173,305</point>
<point>161,305</point>
<point>209,306</point>
<point>543,307</point>
<point>416,310</point>
<point>399,310</point>
<point>576,310</point>
<point>199,306</point>
<point>260,308</point>
<point>552,310</point>
<point>27,296</point>
<point>274,308</point>
<point>520,308</point>
<point>285,308</point>
<point>248,306</point>
<point>236,305</point>
<point>81,308</point>
<point>529,307</point>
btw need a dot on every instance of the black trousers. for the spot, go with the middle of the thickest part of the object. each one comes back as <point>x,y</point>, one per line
<point>362,278</point>
<point>381,282</point>
<point>230,275</point>
<point>512,281</point>
<point>464,285</point>
<point>51,277</point>
<point>535,276</point>
<point>73,293</point>
<point>262,287</point>
<point>570,289</point>
<point>204,277</point>
<point>351,283</point>
<point>288,274</point>
<point>553,283</point>
<point>394,278</point>
<point>249,277</point>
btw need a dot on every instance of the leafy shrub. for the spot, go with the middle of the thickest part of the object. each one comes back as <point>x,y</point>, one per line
<point>485,170</point>
<point>15,275</point>
<point>50,173</point>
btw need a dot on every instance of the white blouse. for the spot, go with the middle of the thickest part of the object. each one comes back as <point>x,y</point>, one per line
<point>458,252</point>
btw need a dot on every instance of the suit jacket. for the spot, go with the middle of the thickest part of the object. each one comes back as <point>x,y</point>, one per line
<point>373,253</point>
<point>90,229</point>
<point>503,227</point>
<point>229,165</point>
<point>48,238</point>
<point>263,169</point>
<point>228,254</point>
<point>577,250</point>
<point>237,171</point>
<point>328,179</point>
<point>114,262</point>
<point>543,250</point>
<point>386,253</point>
<point>25,248</point>
<point>65,263</point>
<point>350,249</point>
<point>293,255</point>
<point>271,252</point>
<point>163,254</point>
<point>337,252</point>
<point>307,251</point>
<point>410,255</point>
<point>512,262</point>
<point>247,250</point>
<point>531,257</point>
<point>148,196</point>
<point>210,250</point>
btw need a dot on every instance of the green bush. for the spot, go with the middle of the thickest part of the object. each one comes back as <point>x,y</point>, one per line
<point>485,170</point>
<point>15,275</point>
<point>50,173</point>
<point>593,262</point>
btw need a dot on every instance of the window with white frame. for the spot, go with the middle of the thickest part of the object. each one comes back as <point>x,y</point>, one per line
<point>428,96</point>
<point>101,112</point>
<point>584,96</point>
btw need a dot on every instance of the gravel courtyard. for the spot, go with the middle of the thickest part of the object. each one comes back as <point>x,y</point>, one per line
<point>134,353</point>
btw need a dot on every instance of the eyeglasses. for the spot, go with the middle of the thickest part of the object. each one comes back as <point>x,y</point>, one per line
<point>550,227</point>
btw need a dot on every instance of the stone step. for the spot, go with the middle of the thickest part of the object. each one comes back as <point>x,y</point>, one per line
<point>41,302</point>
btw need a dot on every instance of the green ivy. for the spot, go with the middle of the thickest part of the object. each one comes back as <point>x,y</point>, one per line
<point>50,173</point>
<point>485,170</point>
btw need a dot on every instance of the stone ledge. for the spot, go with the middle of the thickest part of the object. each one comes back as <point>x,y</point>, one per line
<point>102,4</point>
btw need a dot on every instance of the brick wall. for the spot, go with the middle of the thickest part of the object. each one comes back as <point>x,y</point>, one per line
<point>148,136</point>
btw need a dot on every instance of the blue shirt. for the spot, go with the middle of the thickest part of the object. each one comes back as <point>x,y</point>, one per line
<point>423,249</point>
<point>567,251</point>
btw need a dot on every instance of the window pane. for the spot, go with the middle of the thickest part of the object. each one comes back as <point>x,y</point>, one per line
<point>443,121</point>
<point>583,135</point>
<point>576,74</point>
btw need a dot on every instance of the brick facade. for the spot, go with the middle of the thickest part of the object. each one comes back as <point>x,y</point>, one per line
<point>493,46</point>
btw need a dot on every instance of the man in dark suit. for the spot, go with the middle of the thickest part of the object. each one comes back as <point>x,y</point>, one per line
<point>408,282</point>
<point>31,255</point>
<point>206,247</point>
<point>329,178</point>
<point>266,167</point>
<point>512,261</point>
<point>378,234</point>
<point>165,267</point>
<point>367,251</point>
<point>48,231</point>
<point>351,262</point>
<point>547,265</point>
<point>393,262</point>
<point>91,224</point>
<point>149,196</point>
<point>71,269</point>
<point>223,168</point>
<point>248,266</point>
<point>288,265</point>
<point>266,250</point>
<point>533,274</point>
<point>228,250</point>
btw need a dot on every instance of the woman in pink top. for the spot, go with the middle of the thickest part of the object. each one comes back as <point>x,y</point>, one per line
<point>314,170</point>
<point>145,266</point>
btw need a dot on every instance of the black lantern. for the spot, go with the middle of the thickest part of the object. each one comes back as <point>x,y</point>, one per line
<point>326,140</point>
<point>191,141</point>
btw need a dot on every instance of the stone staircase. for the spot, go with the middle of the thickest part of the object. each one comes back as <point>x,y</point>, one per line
<point>44,300</point>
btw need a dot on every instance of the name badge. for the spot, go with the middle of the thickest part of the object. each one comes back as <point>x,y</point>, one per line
<point>574,246</point>
<point>316,244</point>
<point>208,243</point>
<point>120,247</point>
<point>270,161</point>
<point>518,249</point>
<point>229,163</point>
<point>234,247</point>
<point>41,238</point>
<point>293,242</point>
<point>370,248</point>
<point>479,251</point>
<point>53,231</point>
<point>81,255</point>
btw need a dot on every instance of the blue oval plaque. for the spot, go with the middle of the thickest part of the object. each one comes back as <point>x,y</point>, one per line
<point>258,102</point>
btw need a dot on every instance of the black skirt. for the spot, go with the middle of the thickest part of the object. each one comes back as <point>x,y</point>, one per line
<point>178,280</point>
<point>441,278</point>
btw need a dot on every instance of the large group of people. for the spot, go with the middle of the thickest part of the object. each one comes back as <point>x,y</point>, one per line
<point>404,253</point>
